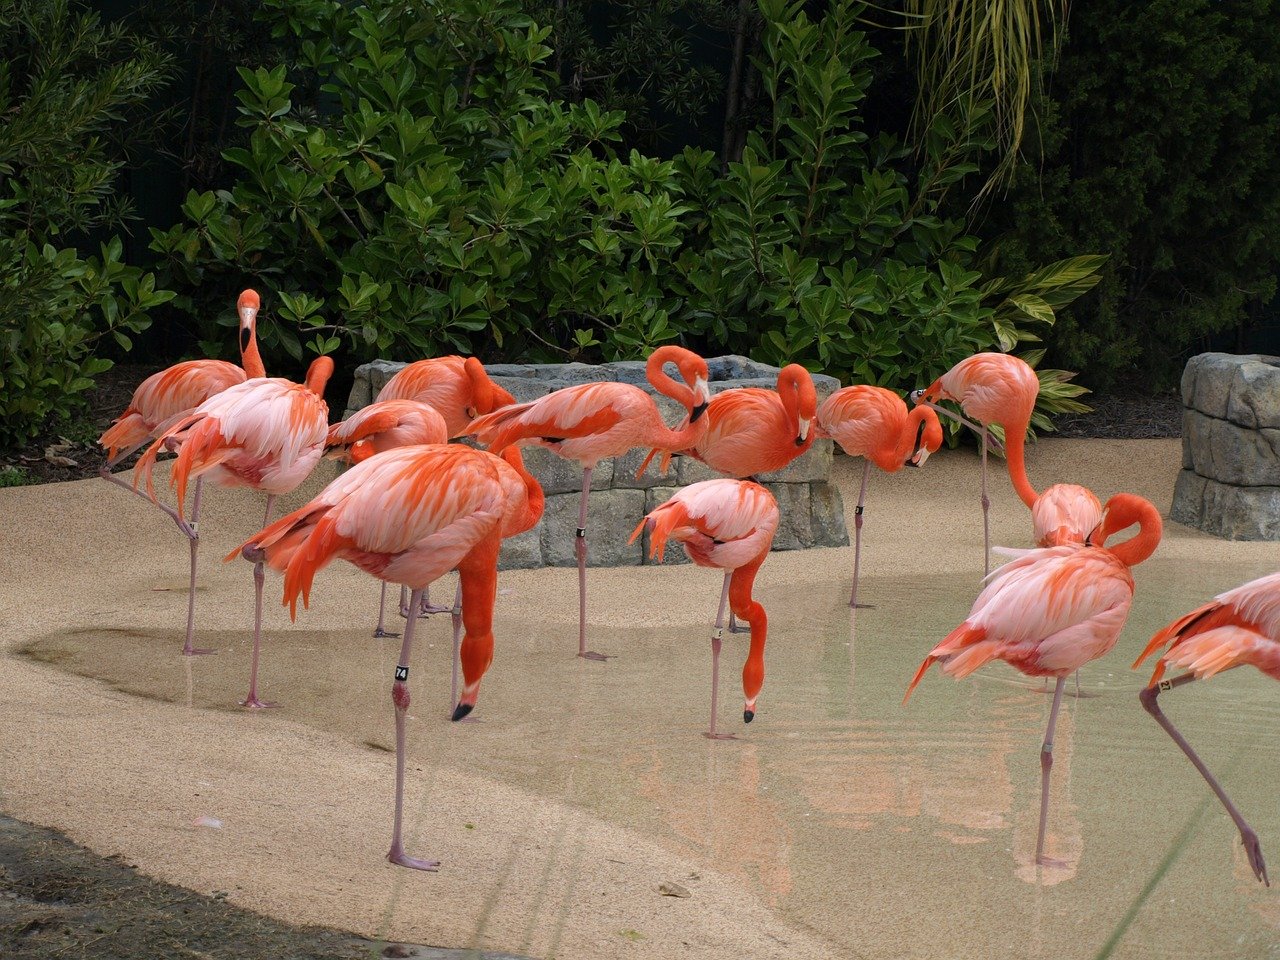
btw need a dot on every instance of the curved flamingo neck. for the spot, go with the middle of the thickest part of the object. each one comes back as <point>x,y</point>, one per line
<point>663,383</point>
<point>250,359</point>
<point>1015,438</point>
<point>746,607</point>
<point>906,441</point>
<point>318,375</point>
<point>533,489</point>
<point>481,385</point>
<point>1150,528</point>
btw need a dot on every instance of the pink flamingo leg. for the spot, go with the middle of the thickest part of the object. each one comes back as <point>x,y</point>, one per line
<point>194,541</point>
<point>580,547</point>
<point>380,631</point>
<point>1253,849</point>
<point>424,610</point>
<point>986,513</point>
<point>105,472</point>
<point>1046,764</point>
<point>980,430</point>
<point>857,537</point>
<point>251,701</point>
<point>715,663</point>
<point>400,697</point>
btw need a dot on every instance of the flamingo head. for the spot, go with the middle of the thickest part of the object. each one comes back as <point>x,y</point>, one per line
<point>247,309</point>
<point>928,436</point>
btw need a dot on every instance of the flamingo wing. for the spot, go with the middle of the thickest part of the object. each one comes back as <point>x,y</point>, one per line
<point>585,410</point>
<point>387,424</point>
<point>170,393</point>
<point>993,387</point>
<point>724,523</point>
<point>1065,513</point>
<point>862,419</point>
<point>441,382</point>
<point>747,431</point>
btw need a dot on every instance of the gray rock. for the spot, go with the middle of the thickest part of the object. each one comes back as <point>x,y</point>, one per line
<point>558,475</point>
<point>523,389</point>
<point>814,464</point>
<point>519,370</point>
<point>692,470</point>
<point>625,467</point>
<point>628,371</point>
<point>523,551</point>
<point>1236,513</point>
<point>1255,393</point>
<point>570,373</point>
<point>655,497</point>
<point>794,521</point>
<point>1206,383</point>
<point>826,516</point>
<point>1221,450</point>
<point>612,515</point>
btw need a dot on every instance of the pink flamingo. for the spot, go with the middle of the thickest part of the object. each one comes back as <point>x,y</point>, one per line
<point>727,524</point>
<point>266,434</point>
<point>592,421</point>
<point>1001,388</point>
<point>1240,627</point>
<point>172,393</point>
<point>459,389</point>
<point>1050,611</point>
<point>873,423</point>
<point>381,426</point>
<point>405,516</point>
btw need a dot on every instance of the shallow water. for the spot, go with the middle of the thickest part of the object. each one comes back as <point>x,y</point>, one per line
<point>889,830</point>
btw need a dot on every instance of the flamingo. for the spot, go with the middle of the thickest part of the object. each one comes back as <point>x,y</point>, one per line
<point>1001,388</point>
<point>405,516</point>
<point>385,425</point>
<point>459,388</point>
<point>267,434</point>
<point>591,421</point>
<point>1240,627</point>
<point>1052,610</point>
<point>727,524</point>
<point>174,392</point>
<point>873,423</point>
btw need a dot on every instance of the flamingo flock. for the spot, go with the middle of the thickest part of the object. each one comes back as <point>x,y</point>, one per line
<point>413,507</point>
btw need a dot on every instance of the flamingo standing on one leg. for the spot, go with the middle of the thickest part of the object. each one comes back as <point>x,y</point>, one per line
<point>592,421</point>
<point>405,516</point>
<point>175,392</point>
<point>1001,388</point>
<point>727,524</point>
<point>381,426</point>
<point>874,423</point>
<point>1050,611</point>
<point>460,389</point>
<point>1240,627</point>
<point>267,434</point>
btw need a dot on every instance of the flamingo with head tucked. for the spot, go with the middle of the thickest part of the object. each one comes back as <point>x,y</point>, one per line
<point>727,524</point>
<point>873,423</point>
<point>1238,628</point>
<point>1052,610</point>
<point>1001,388</point>
<point>172,393</point>
<point>381,426</point>
<point>405,516</point>
<point>592,421</point>
<point>266,434</point>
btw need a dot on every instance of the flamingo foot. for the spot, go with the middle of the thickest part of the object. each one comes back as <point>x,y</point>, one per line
<point>380,634</point>
<point>425,610</point>
<point>592,655</point>
<point>1253,849</point>
<point>862,606</point>
<point>719,736</point>
<point>197,651</point>
<point>1052,862</point>
<point>739,628</point>
<point>253,703</point>
<point>400,858</point>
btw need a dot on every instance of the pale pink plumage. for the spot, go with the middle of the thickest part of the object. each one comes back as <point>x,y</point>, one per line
<point>458,388</point>
<point>386,425</point>
<point>1064,514</point>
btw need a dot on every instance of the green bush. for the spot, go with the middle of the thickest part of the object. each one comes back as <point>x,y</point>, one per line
<point>67,84</point>
<point>410,187</point>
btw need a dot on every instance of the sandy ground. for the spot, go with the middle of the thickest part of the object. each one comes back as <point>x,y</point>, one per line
<point>307,809</point>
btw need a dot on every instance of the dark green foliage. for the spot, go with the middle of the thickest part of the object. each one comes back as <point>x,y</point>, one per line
<point>1160,146</point>
<point>445,201</point>
<point>69,89</point>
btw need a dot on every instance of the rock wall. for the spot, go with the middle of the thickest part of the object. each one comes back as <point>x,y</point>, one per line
<point>1230,479</point>
<point>811,508</point>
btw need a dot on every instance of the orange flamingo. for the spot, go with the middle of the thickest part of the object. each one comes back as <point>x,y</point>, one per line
<point>172,393</point>
<point>267,434</point>
<point>459,388</point>
<point>1050,611</point>
<point>1001,388</point>
<point>592,421</point>
<point>751,430</point>
<point>727,524</point>
<point>873,423</point>
<point>405,516</point>
<point>1240,627</point>
<point>385,425</point>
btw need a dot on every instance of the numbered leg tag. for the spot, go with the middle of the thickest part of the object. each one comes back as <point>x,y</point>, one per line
<point>402,674</point>
<point>582,532</point>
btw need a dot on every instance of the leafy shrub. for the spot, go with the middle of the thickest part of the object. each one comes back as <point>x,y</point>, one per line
<point>66,86</point>
<point>434,197</point>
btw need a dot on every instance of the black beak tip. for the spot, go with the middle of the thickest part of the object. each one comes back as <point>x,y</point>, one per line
<point>698,411</point>
<point>799,441</point>
<point>748,716</point>
<point>244,339</point>
<point>461,711</point>
<point>911,463</point>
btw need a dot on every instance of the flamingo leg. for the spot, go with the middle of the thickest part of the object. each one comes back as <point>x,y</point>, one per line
<point>194,542</point>
<point>734,626</point>
<point>1046,764</point>
<point>980,430</point>
<point>857,535</point>
<point>252,701</point>
<point>986,513</point>
<point>1253,849</point>
<point>400,698</point>
<point>105,472</point>
<point>380,630</point>
<point>715,662</point>
<point>580,548</point>
<point>425,609</point>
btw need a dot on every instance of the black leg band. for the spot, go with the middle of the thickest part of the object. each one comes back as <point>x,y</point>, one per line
<point>402,674</point>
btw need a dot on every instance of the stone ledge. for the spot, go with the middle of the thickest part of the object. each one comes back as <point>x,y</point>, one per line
<point>1235,513</point>
<point>1244,389</point>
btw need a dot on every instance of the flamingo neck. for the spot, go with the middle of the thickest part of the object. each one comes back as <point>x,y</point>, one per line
<point>1150,528</point>
<point>481,385</point>
<point>1015,438</point>
<point>533,489</point>
<point>663,383</point>
<point>250,359</point>
<point>318,375</point>
<point>746,608</point>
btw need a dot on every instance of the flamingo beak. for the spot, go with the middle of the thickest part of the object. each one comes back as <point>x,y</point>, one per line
<point>921,456</point>
<point>247,315</point>
<point>804,432</point>
<point>915,396</point>
<point>1092,533</point>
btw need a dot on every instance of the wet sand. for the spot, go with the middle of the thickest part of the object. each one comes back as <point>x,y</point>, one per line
<point>839,824</point>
